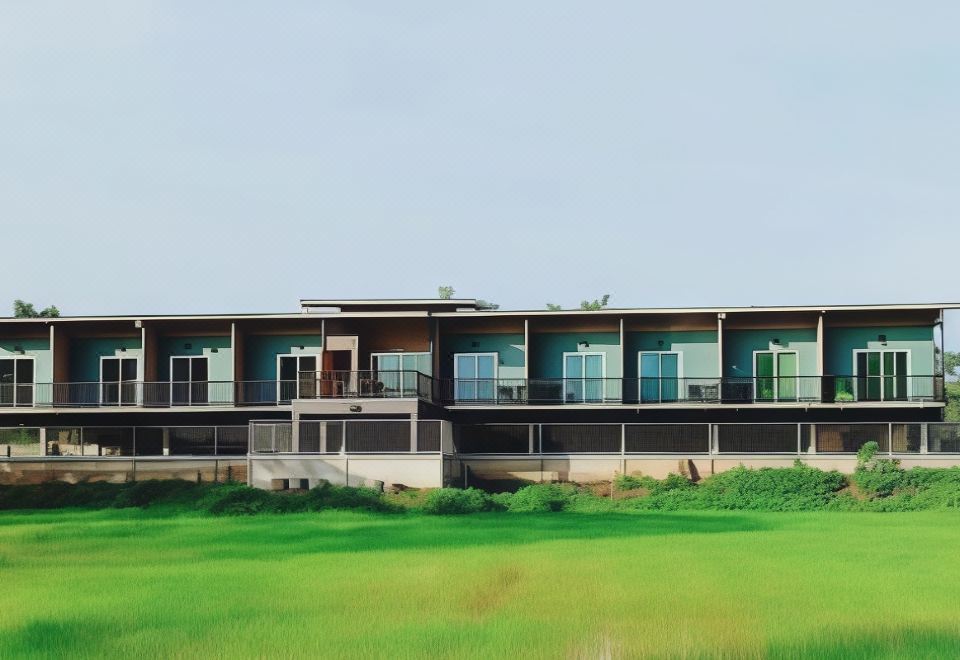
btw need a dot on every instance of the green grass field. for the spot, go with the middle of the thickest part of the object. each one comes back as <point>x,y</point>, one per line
<point>142,583</point>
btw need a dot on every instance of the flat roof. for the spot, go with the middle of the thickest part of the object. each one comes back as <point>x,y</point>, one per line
<point>409,309</point>
<point>390,302</point>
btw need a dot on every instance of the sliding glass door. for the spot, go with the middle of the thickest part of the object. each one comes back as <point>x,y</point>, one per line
<point>474,376</point>
<point>583,375</point>
<point>16,381</point>
<point>118,381</point>
<point>882,375</point>
<point>296,377</point>
<point>398,371</point>
<point>188,380</point>
<point>659,376</point>
<point>775,375</point>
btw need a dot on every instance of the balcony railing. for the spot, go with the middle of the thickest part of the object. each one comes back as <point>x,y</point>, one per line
<point>477,391</point>
<point>735,390</point>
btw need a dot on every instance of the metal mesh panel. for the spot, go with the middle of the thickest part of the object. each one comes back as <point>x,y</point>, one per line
<point>428,435</point>
<point>378,436</point>
<point>492,438</point>
<point>943,438</point>
<point>272,438</point>
<point>906,438</point>
<point>849,438</point>
<point>667,438</point>
<point>149,441</point>
<point>580,438</point>
<point>757,438</point>
<point>108,441</point>
<point>191,441</point>
<point>20,442</point>
<point>231,440</point>
<point>64,441</point>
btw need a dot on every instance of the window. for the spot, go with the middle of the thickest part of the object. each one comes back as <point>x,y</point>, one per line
<point>882,375</point>
<point>118,381</point>
<point>660,373</point>
<point>583,375</point>
<point>296,377</point>
<point>188,380</point>
<point>398,371</point>
<point>474,376</point>
<point>16,381</point>
<point>775,375</point>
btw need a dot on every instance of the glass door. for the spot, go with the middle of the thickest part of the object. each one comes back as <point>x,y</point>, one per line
<point>474,376</point>
<point>398,371</point>
<point>881,375</point>
<point>583,375</point>
<point>659,376</point>
<point>118,381</point>
<point>296,377</point>
<point>16,381</point>
<point>188,380</point>
<point>775,375</point>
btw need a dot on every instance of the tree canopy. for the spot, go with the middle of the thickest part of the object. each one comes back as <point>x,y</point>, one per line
<point>25,310</point>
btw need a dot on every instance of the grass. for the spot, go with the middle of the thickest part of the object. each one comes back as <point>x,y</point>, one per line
<point>150,583</point>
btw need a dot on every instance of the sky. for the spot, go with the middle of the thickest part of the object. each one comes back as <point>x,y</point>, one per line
<point>185,157</point>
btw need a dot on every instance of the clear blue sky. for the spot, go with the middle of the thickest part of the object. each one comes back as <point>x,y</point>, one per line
<point>236,156</point>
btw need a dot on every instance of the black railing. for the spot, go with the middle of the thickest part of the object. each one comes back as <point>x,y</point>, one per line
<point>480,391</point>
<point>686,391</point>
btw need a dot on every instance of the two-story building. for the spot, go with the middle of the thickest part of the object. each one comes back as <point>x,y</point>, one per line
<point>424,392</point>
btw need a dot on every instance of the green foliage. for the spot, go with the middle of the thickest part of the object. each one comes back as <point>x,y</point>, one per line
<point>951,363</point>
<point>553,307</point>
<point>25,310</point>
<point>445,292</point>
<point>634,482</point>
<point>486,304</point>
<point>874,476</point>
<point>952,411</point>
<point>541,497</point>
<point>445,501</point>
<point>595,305</point>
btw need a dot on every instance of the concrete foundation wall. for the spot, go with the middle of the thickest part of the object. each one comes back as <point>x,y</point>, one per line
<point>415,471</point>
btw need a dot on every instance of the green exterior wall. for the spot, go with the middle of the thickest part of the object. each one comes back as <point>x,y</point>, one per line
<point>85,354</point>
<point>839,344</point>
<point>261,351</point>
<point>220,364</point>
<point>739,345</point>
<point>38,349</point>
<point>699,348</point>
<point>510,350</point>
<point>548,349</point>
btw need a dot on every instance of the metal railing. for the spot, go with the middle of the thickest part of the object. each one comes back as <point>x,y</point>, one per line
<point>114,441</point>
<point>346,436</point>
<point>479,391</point>
<point>729,390</point>
<point>907,438</point>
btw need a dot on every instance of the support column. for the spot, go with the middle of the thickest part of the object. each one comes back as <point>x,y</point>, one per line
<point>323,437</point>
<point>43,440</point>
<point>295,431</point>
<point>531,436</point>
<point>414,428</point>
<point>720,317</point>
<point>813,439</point>
<point>166,440</point>
<point>924,438</point>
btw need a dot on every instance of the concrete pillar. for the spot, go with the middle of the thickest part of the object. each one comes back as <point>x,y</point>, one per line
<point>295,432</point>
<point>813,439</point>
<point>532,437</point>
<point>924,438</point>
<point>323,437</point>
<point>43,440</point>
<point>414,428</point>
<point>166,441</point>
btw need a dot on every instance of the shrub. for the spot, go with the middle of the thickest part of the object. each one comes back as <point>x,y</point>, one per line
<point>542,497</point>
<point>154,491</point>
<point>329,496</point>
<point>879,477</point>
<point>633,482</point>
<point>446,501</point>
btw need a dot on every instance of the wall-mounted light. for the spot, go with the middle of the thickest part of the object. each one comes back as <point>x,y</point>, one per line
<point>356,408</point>
<point>123,349</point>
<point>659,342</point>
<point>776,341</point>
<point>584,343</point>
<point>883,339</point>
<point>18,349</point>
<point>214,350</point>
<point>300,347</point>
<point>188,346</point>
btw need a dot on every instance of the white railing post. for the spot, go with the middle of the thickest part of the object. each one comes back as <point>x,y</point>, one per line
<point>799,439</point>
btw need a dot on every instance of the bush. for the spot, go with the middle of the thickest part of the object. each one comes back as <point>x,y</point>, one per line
<point>446,501</point>
<point>634,482</point>
<point>145,493</point>
<point>542,497</point>
<point>329,496</point>
<point>879,477</point>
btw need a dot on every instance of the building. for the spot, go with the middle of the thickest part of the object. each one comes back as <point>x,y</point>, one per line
<point>425,392</point>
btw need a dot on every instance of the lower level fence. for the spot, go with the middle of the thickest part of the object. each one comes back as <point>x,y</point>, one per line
<point>354,436</point>
<point>123,441</point>
<point>827,438</point>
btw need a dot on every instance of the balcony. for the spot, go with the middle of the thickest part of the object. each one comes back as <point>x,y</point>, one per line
<point>689,391</point>
<point>477,391</point>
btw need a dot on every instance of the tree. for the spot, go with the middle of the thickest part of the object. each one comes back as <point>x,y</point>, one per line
<point>25,310</point>
<point>483,304</point>
<point>445,292</point>
<point>951,363</point>
<point>553,307</point>
<point>595,305</point>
